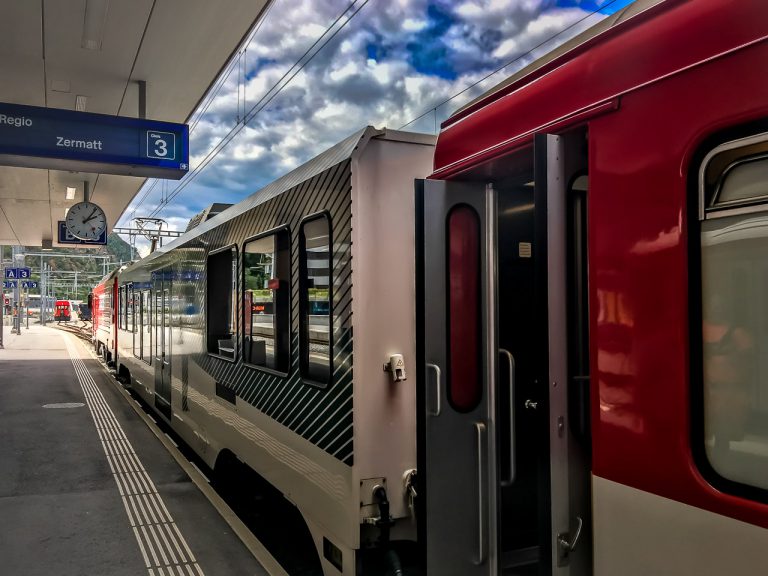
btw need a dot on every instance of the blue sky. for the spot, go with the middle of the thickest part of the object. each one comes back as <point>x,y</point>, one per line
<point>392,62</point>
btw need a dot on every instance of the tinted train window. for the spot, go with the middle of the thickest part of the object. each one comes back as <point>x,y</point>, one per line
<point>464,316</point>
<point>267,301</point>
<point>129,308</point>
<point>733,199</point>
<point>146,326</point>
<point>106,309</point>
<point>122,308</point>
<point>221,279</point>
<point>315,300</point>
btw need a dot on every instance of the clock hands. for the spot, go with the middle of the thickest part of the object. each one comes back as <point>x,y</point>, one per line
<point>91,216</point>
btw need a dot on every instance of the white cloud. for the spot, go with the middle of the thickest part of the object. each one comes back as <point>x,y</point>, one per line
<point>375,71</point>
<point>414,24</point>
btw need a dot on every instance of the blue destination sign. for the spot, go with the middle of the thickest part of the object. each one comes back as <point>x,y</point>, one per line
<point>56,139</point>
<point>66,238</point>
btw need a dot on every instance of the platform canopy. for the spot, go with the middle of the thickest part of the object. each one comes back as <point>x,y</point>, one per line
<point>92,56</point>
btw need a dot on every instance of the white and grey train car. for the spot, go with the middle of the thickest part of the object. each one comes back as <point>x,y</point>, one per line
<point>262,334</point>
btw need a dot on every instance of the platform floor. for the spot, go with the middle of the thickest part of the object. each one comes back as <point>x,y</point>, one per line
<point>85,486</point>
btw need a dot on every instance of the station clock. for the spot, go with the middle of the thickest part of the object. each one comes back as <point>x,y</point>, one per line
<point>86,221</point>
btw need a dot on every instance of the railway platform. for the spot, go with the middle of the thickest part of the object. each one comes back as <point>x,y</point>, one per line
<point>88,487</point>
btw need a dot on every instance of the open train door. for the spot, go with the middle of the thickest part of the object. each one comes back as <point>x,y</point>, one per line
<point>560,198</point>
<point>502,414</point>
<point>163,341</point>
<point>458,335</point>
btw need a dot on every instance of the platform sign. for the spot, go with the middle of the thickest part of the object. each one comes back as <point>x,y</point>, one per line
<point>36,137</point>
<point>65,237</point>
<point>16,273</point>
<point>9,284</point>
<point>29,284</point>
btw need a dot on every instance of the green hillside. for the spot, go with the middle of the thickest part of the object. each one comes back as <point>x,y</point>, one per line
<point>63,268</point>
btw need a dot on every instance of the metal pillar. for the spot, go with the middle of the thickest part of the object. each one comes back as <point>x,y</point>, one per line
<point>2,296</point>
<point>142,98</point>
<point>42,292</point>
<point>17,257</point>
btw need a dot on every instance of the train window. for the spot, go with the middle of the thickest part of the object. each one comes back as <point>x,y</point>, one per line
<point>733,194</point>
<point>315,299</point>
<point>267,300</point>
<point>137,313</point>
<point>464,317</point>
<point>105,318</point>
<point>146,323</point>
<point>158,323</point>
<point>123,302</point>
<point>129,308</point>
<point>221,281</point>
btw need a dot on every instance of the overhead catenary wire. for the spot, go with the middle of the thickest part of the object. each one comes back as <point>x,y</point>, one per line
<point>264,101</point>
<point>330,32</point>
<point>209,98</point>
<point>10,225</point>
<point>505,65</point>
<point>307,57</point>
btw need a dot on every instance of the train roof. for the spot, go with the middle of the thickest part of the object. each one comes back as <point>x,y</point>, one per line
<point>554,57</point>
<point>344,150</point>
<point>646,44</point>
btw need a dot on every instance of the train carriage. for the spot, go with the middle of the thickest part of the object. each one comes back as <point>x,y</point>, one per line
<point>103,303</point>
<point>62,311</point>
<point>261,334</point>
<point>591,293</point>
<point>576,296</point>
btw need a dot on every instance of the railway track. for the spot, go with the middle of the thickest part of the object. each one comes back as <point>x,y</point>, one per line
<point>80,328</point>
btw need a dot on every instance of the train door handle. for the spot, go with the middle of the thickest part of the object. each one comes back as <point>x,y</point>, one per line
<point>437,409</point>
<point>481,539</point>
<point>566,544</point>
<point>511,361</point>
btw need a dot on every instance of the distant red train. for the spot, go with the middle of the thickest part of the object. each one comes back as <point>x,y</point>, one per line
<point>581,318</point>
<point>64,311</point>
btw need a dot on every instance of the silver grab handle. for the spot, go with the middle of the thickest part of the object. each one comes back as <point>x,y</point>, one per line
<point>436,368</point>
<point>481,540</point>
<point>512,468</point>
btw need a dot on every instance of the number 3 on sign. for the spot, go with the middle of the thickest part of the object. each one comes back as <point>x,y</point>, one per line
<point>161,145</point>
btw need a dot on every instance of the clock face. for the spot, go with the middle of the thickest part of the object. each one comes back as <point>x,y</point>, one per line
<point>86,220</point>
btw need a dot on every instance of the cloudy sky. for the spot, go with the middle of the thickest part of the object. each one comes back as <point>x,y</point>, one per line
<point>314,71</point>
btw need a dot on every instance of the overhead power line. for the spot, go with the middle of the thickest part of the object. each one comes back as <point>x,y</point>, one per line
<point>329,33</point>
<point>307,57</point>
<point>508,63</point>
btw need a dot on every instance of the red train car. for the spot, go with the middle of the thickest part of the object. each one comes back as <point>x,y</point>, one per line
<point>63,311</point>
<point>104,316</point>
<point>593,285</point>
